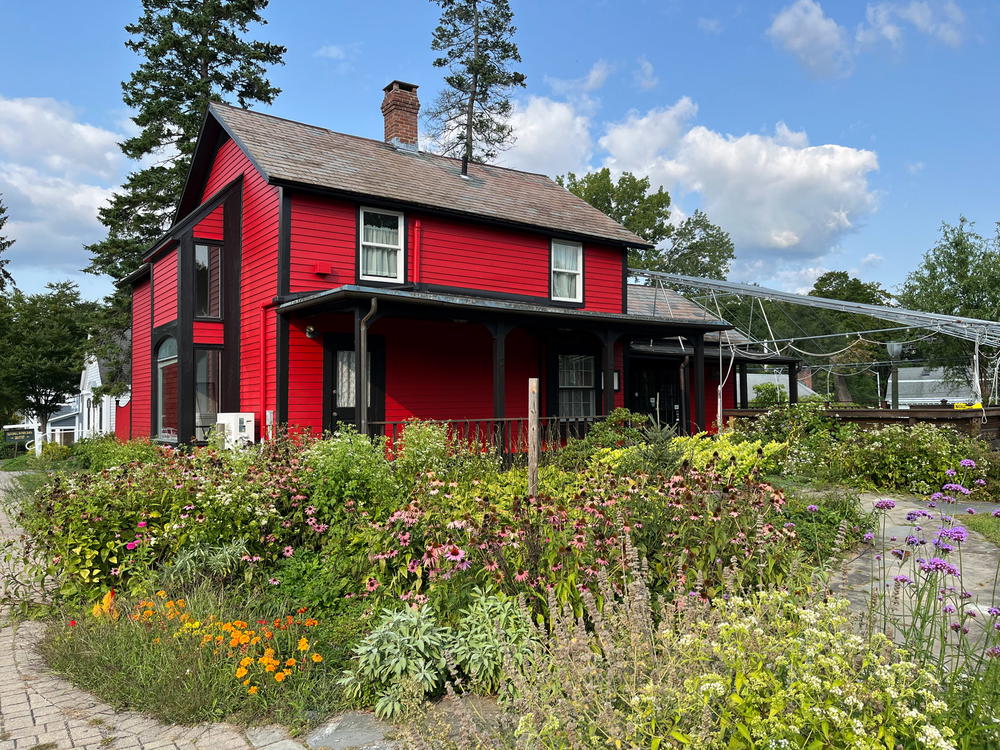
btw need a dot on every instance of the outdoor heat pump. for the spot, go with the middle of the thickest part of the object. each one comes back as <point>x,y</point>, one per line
<point>237,427</point>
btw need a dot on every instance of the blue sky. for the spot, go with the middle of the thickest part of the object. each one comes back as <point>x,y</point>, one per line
<point>821,134</point>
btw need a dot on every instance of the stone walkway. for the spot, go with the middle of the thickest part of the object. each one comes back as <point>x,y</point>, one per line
<point>40,711</point>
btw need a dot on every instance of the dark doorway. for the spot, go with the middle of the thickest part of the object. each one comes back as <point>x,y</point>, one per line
<point>339,377</point>
<point>654,388</point>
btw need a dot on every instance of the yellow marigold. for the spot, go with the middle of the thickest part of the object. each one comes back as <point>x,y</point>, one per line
<point>241,672</point>
<point>246,682</point>
<point>246,661</point>
<point>147,613</point>
<point>290,663</point>
<point>303,644</point>
<point>156,640</point>
<point>269,668</point>
<point>268,652</point>
<point>280,676</point>
<point>252,690</point>
<point>317,658</point>
<point>239,624</point>
<point>181,603</point>
<point>162,594</point>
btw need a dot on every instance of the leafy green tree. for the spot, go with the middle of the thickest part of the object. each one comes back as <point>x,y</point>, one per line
<point>5,278</point>
<point>696,247</point>
<point>471,116</point>
<point>193,52</point>
<point>44,347</point>
<point>9,401</point>
<point>960,275</point>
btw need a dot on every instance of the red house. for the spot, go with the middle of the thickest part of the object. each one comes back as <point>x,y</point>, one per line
<point>314,278</point>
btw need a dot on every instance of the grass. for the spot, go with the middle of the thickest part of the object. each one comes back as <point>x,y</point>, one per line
<point>23,462</point>
<point>986,525</point>
<point>159,666</point>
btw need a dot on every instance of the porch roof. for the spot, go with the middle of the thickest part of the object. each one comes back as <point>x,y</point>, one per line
<point>670,349</point>
<point>345,296</point>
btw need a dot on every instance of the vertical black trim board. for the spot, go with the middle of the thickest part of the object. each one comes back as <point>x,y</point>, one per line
<point>185,340</point>
<point>232,252</point>
<point>284,285</point>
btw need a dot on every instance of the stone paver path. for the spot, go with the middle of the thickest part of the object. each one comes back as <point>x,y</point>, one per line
<point>41,711</point>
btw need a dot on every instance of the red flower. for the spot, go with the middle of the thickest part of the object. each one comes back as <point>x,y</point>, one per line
<point>72,623</point>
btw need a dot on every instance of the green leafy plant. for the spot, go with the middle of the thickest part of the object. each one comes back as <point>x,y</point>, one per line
<point>493,631</point>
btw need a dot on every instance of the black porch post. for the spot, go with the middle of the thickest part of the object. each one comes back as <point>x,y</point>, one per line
<point>360,369</point>
<point>699,382</point>
<point>608,340</point>
<point>499,332</point>
<point>186,379</point>
<point>793,382</point>
<point>744,395</point>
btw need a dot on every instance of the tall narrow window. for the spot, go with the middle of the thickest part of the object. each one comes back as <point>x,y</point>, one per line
<point>567,271</point>
<point>381,245</point>
<point>346,376</point>
<point>207,366</point>
<point>208,281</point>
<point>166,390</point>
<point>577,395</point>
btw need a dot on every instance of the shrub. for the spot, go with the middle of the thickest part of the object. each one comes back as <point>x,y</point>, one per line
<point>766,395</point>
<point>350,471</point>
<point>107,452</point>
<point>404,656</point>
<point>731,456</point>
<point>424,447</point>
<point>620,429</point>
<point>764,671</point>
<point>492,632</point>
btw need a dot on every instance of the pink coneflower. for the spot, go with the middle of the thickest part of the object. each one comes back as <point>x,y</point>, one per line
<point>274,581</point>
<point>288,551</point>
<point>372,584</point>
<point>491,566</point>
<point>413,566</point>
<point>521,577</point>
<point>455,554</point>
<point>404,538</point>
<point>141,524</point>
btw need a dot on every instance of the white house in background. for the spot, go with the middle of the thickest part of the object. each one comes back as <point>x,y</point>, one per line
<point>95,415</point>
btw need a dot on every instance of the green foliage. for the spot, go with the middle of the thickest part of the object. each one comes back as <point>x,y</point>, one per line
<point>960,275</point>
<point>424,448</point>
<point>491,633</point>
<point>621,429</point>
<point>107,452</point>
<point>476,41</point>
<point>403,656</point>
<point>766,395</point>
<point>767,670</point>
<point>731,456</point>
<point>696,247</point>
<point>827,524</point>
<point>5,278</point>
<point>42,349</point>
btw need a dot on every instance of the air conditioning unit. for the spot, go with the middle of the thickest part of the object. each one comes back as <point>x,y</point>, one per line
<point>238,428</point>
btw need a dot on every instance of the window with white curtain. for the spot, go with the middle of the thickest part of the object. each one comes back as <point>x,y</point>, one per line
<point>577,385</point>
<point>381,245</point>
<point>567,271</point>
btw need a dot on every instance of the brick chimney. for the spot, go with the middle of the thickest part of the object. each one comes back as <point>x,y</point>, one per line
<point>400,107</point>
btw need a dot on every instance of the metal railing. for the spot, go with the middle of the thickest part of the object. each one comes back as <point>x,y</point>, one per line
<point>506,436</point>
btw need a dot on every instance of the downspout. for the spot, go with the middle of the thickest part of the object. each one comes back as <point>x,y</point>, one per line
<point>265,306</point>
<point>362,396</point>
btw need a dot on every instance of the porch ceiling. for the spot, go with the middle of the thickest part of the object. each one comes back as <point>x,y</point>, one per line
<point>401,301</point>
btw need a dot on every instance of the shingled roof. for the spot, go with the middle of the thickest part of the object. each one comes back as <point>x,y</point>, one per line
<point>296,153</point>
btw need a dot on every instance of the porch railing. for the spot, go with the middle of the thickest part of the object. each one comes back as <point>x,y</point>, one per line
<point>507,436</point>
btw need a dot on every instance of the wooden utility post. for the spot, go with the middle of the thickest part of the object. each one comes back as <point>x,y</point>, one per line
<point>534,447</point>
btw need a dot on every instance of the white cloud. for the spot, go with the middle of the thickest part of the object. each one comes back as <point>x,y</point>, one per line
<point>778,196</point>
<point>645,75</point>
<point>884,21</point>
<point>595,78</point>
<point>818,42</point>
<point>710,25</point>
<point>637,141</point>
<point>343,56</point>
<point>872,260</point>
<point>915,167</point>
<point>552,137</point>
<point>43,133</point>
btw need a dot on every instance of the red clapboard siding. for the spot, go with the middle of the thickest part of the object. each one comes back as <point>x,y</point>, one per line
<point>712,397</point>
<point>474,256</point>
<point>602,288</point>
<point>259,272</point>
<point>437,370</point>
<point>524,358</point>
<point>123,421</point>
<point>206,332</point>
<point>141,365</point>
<point>305,380</point>
<point>165,288</point>
<point>323,233</point>
<point>211,227</point>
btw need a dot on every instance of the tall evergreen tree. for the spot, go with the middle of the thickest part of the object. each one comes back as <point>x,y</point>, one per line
<point>472,114</point>
<point>193,52</point>
<point>5,278</point>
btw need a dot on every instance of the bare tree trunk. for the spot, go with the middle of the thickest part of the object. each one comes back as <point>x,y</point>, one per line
<point>470,107</point>
<point>842,389</point>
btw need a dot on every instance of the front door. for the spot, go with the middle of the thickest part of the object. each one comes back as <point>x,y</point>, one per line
<point>340,371</point>
<point>655,389</point>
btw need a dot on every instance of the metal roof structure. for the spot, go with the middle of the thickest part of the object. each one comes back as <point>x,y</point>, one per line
<point>982,332</point>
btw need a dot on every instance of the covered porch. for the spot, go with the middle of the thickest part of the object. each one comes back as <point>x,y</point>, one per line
<point>465,361</point>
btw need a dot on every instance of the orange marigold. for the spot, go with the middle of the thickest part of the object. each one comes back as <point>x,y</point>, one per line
<point>241,672</point>
<point>252,690</point>
<point>290,663</point>
<point>317,658</point>
<point>280,676</point>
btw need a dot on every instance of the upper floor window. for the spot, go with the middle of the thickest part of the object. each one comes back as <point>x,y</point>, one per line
<point>567,271</point>
<point>207,281</point>
<point>381,245</point>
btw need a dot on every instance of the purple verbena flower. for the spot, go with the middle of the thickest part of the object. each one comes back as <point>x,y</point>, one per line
<point>885,504</point>
<point>968,463</point>
<point>812,508</point>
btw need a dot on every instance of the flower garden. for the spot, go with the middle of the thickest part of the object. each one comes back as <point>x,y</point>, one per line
<point>657,592</point>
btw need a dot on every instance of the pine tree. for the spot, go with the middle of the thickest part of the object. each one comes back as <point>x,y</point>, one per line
<point>471,116</point>
<point>194,52</point>
<point>5,278</point>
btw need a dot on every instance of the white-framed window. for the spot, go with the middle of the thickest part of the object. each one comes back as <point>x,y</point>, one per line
<point>381,245</point>
<point>166,390</point>
<point>577,392</point>
<point>567,271</point>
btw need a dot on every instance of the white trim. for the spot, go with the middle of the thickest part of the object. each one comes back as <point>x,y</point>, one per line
<point>400,248</point>
<point>578,272</point>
